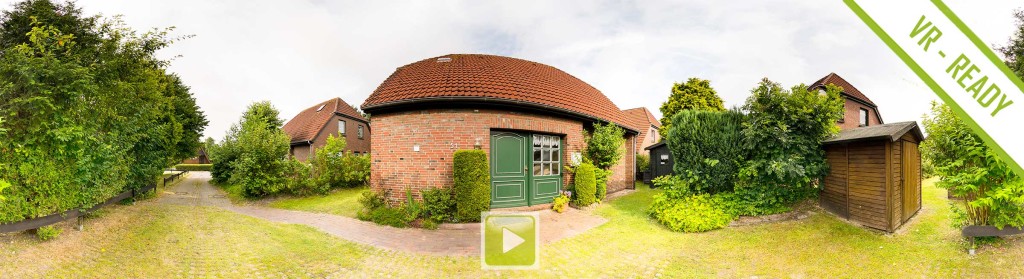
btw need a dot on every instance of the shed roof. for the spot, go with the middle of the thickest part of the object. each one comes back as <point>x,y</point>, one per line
<point>308,123</point>
<point>891,131</point>
<point>656,145</point>
<point>494,79</point>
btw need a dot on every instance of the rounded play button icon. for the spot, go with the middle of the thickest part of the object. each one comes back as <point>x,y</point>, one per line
<point>509,240</point>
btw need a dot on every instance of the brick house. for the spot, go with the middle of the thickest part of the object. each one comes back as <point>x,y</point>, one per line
<point>860,111</point>
<point>529,117</point>
<point>310,129</point>
<point>642,119</point>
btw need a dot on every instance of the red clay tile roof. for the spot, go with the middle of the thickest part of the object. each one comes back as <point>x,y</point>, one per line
<point>641,118</point>
<point>848,89</point>
<point>494,78</point>
<point>307,124</point>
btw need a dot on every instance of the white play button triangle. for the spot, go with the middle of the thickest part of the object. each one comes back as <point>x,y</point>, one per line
<point>509,240</point>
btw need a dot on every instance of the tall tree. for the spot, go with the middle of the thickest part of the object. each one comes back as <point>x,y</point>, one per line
<point>1013,51</point>
<point>695,94</point>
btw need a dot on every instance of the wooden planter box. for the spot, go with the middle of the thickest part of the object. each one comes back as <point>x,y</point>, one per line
<point>976,231</point>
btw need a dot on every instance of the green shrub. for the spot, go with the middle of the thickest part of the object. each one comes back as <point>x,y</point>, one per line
<point>429,224</point>
<point>705,146</point>
<point>300,182</point>
<point>643,163</point>
<point>48,232</point>
<point>694,94</point>
<point>372,200</point>
<point>560,203</point>
<point>585,186</point>
<point>604,145</point>
<point>438,204</point>
<point>334,167</point>
<point>472,184</point>
<point>601,182</point>
<point>386,215</point>
<point>193,167</point>
<point>782,137</point>
<point>697,213</point>
<point>262,148</point>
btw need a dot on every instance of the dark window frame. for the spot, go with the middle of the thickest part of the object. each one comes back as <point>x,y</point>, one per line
<point>865,118</point>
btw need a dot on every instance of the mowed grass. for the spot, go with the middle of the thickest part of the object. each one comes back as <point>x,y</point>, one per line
<point>344,202</point>
<point>155,240</point>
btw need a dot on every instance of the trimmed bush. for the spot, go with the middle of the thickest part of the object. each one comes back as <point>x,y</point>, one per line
<point>697,213</point>
<point>472,184</point>
<point>705,145</point>
<point>438,205</point>
<point>601,177</point>
<point>586,185</point>
<point>194,167</point>
<point>386,215</point>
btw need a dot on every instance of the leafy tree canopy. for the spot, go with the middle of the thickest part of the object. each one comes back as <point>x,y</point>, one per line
<point>695,94</point>
<point>604,145</point>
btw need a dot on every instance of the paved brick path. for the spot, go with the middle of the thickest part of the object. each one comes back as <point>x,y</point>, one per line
<point>459,239</point>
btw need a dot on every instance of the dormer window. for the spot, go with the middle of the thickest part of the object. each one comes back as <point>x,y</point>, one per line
<point>863,117</point>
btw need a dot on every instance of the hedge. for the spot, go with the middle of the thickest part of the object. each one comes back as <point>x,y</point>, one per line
<point>586,184</point>
<point>472,184</point>
<point>194,167</point>
<point>706,145</point>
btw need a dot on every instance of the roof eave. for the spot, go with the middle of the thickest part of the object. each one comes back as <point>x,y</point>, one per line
<point>374,108</point>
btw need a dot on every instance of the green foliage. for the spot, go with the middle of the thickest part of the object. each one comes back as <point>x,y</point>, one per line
<point>605,145</point>
<point>438,204</point>
<point>335,168</point>
<point>696,213</point>
<point>969,169</point>
<point>263,147</point>
<point>601,183</point>
<point>472,184</point>
<point>299,180</point>
<point>704,145</point>
<point>46,233</point>
<point>782,138</point>
<point>695,94</point>
<point>89,110</point>
<point>386,215</point>
<point>193,167</point>
<point>585,187</point>
<point>560,203</point>
<point>1013,51</point>
<point>372,200</point>
<point>643,163</point>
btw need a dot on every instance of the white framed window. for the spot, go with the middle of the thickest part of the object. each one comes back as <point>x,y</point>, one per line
<point>863,117</point>
<point>341,127</point>
<point>359,132</point>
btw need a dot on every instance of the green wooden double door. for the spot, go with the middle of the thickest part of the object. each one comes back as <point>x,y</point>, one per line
<point>526,169</point>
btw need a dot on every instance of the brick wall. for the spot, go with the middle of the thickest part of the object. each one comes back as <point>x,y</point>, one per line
<point>440,132</point>
<point>851,118</point>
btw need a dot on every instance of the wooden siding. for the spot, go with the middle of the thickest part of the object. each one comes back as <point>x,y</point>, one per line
<point>834,193</point>
<point>873,183</point>
<point>866,184</point>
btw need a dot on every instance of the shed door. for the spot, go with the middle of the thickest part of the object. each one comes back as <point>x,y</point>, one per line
<point>911,180</point>
<point>508,169</point>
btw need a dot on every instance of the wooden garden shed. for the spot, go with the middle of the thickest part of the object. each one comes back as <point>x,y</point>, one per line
<point>875,175</point>
<point>661,159</point>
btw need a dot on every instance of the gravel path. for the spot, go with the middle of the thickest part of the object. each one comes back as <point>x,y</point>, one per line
<point>460,239</point>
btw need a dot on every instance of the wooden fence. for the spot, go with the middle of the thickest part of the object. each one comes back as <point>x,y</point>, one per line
<point>33,223</point>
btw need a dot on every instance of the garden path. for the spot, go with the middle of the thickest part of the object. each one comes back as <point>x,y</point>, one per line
<point>454,240</point>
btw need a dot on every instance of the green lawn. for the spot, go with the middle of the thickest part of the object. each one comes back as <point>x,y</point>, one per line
<point>344,202</point>
<point>156,240</point>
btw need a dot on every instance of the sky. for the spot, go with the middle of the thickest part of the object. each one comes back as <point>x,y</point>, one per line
<point>299,53</point>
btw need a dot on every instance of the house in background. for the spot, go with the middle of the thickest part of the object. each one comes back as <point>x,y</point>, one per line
<point>875,168</point>
<point>200,157</point>
<point>860,111</point>
<point>528,117</point>
<point>642,119</point>
<point>310,129</point>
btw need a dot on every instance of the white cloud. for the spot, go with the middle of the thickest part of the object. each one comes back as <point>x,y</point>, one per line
<point>297,53</point>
